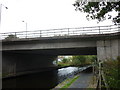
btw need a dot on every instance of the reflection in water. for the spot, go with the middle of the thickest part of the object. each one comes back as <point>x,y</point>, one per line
<point>36,80</point>
<point>48,79</point>
<point>68,72</point>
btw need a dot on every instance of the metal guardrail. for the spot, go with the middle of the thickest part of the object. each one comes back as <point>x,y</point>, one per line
<point>64,32</point>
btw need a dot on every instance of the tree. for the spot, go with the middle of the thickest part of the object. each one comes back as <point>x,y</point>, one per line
<point>91,58</point>
<point>78,60</point>
<point>83,59</point>
<point>11,36</point>
<point>65,60</point>
<point>99,10</point>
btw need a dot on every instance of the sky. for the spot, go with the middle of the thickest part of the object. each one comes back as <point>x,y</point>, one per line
<point>42,15</point>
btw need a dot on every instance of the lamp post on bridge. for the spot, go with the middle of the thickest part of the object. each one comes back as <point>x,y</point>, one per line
<point>1,5</point>
<point>25,27</point>
<point>1,45</point>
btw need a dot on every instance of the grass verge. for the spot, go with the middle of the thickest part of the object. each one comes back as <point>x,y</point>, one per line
<point>70,82</point>
<point>65,84</point>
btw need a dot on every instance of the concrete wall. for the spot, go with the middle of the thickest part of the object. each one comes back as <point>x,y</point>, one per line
<point>108,49</point>
<point>17,62</point>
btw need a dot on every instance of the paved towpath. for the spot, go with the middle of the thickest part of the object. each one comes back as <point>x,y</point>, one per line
<point>82,81</point>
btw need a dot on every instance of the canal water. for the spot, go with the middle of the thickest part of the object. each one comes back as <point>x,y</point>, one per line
<point>47,79</point>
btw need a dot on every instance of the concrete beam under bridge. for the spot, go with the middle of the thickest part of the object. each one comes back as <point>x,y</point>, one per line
<point>49,44</point>
<point>61,51</point>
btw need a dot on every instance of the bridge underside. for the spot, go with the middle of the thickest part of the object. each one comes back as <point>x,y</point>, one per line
<point>17,61</point>
<point>21,63</point>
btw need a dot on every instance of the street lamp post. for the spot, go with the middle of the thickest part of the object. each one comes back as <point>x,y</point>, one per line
<point>1,47</point>
<point>1,11</point>
<point>25,27</point>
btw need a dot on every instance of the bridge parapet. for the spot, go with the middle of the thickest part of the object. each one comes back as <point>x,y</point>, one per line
<point>62,32</point>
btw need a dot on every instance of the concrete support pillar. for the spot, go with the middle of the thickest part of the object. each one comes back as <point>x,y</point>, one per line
<point>108,49</point>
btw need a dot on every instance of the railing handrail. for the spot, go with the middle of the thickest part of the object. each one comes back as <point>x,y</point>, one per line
<point>64,31</point>
<point>62,28</point>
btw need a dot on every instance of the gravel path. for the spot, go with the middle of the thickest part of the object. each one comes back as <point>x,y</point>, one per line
<point>82,81</point>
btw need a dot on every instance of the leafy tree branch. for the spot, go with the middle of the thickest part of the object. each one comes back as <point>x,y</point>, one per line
<point>99,10</point>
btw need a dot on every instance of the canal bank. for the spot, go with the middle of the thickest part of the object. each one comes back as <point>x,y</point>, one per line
<point>80,81</point>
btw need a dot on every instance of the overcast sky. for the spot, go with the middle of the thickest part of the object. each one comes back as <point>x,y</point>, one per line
<point>42,14</point>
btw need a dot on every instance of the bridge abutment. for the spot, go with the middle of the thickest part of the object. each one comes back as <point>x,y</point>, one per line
<point>108,49</point>
<point>21,63</point>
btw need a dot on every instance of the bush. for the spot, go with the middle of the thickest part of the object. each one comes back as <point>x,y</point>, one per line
<point>111,71</point>
<point>79,60</point>
<point>11,36</point>
<point>83,59</point>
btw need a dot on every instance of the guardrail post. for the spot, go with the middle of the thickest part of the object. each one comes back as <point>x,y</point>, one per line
<point>118,27</point>
<point>15,35</point>
<point>68,31</point>
<point>40,33</point>
<point>26,34</point>
<point>99,29</point>
<point>110,28</point>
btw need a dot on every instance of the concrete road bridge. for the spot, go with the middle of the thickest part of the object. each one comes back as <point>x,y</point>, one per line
<point>33,50</point>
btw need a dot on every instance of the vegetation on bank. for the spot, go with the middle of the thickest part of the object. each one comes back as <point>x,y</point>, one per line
<point>80,60</point>
<point>111,69</point>
<point>65,84</point>
<point>70,82</point>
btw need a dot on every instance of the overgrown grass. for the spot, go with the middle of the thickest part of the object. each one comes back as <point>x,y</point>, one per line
<point>69,83</point>
<point>111,70</point>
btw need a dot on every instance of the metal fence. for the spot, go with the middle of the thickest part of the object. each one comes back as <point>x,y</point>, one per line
<point>63,32</point>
